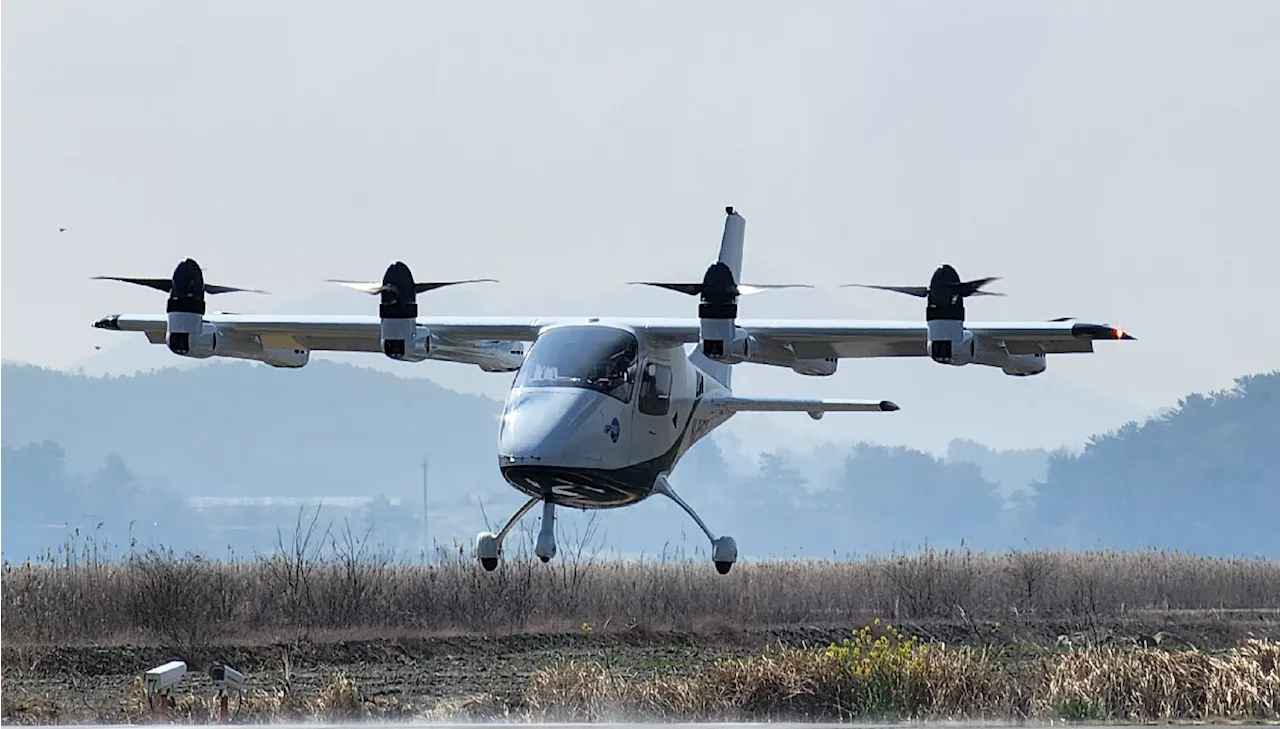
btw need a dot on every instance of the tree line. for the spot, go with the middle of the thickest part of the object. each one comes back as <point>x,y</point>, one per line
<point>1198,478</point>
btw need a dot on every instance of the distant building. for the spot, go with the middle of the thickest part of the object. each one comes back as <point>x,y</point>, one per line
<point>255,523</point>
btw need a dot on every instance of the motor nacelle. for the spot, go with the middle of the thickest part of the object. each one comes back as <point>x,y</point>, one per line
<point>189,335</point>
<point>950,343</point>
<point>816,367</point>
<point>500,355</point>
<point>405,340</point>
<point>285,358</point>
<point>1024,365</point>
<point>722,341</point>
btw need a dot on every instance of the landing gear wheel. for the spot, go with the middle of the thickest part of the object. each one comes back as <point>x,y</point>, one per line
<point>724,552</point>
<point>489,545</point>
<point>546,545</point>
<point>488,550</point>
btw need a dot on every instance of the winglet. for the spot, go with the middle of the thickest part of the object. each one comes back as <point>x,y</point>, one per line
<point>108,322</point>
<point>1100,331</point>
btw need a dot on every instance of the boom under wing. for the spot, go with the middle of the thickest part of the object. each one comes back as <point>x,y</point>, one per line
<point>815,408</point>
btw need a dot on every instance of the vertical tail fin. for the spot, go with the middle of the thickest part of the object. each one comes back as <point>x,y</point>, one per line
<point>735,231</point>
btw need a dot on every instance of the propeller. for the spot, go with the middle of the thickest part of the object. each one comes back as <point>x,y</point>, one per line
<point>718,280</point>
<point>945,293</point>
<point>186,287</point>
<point>945,287</point>
<point>696,289</point>
<point>187,279</point>
<point>398,280</point>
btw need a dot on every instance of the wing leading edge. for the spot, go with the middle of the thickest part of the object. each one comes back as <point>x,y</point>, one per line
<point>806,338</point>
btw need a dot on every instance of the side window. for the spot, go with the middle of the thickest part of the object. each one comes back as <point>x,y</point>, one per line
<point>655,389</point>
<point>700,386</point>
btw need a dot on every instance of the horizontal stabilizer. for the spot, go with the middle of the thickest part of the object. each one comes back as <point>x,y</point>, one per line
<point>815,408</point>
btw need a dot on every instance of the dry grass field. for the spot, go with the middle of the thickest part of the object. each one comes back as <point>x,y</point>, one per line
<point>330,630</point>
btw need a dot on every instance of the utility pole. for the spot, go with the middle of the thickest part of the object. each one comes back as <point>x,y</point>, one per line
<point>426,535</point>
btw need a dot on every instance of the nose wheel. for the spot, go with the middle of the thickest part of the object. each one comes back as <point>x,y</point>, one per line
<point>546,546</point>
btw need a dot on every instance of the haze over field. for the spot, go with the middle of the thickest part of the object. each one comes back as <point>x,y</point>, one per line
<point>163,457</point>
<point>1112,162</point>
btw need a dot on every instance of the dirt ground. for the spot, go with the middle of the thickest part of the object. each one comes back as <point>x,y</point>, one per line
<point>413,674</point>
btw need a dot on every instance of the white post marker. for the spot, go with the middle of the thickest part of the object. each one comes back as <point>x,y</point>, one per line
<point>160,680</point>
<point>226,679</point>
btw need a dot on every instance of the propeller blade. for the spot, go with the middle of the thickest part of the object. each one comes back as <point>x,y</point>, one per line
<point>971,288</point>
<point>364,287</point>
<point>917,291</point>
<point>159,284</point>
<point>433,285</point>
<point>692,289</point>
<point>749,289</point>
<point>374,288</point>
<point>212,289</point>
<point>166,285</point>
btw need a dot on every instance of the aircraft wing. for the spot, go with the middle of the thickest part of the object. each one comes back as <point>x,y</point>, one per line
<point>335,333</point>
<point>859,339</point>
<point>805,338</point>
<point>494,344</point>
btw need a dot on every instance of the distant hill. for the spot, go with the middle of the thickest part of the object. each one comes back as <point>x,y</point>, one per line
<point>1010,470</point>
<point>129,452</point>
<point>1203,478</point>
<point>232,428</point>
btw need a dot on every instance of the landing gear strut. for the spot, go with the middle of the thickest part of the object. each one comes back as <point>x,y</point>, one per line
<point>546,547</point>
<point>489,545</point>
<point>724,551</point>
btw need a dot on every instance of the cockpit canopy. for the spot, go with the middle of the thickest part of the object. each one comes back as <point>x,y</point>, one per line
<point>592,357</point>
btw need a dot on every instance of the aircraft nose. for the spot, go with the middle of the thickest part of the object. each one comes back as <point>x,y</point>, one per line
<point>544,426</point>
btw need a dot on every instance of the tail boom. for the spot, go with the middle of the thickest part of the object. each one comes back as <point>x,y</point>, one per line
<point>815,408</point>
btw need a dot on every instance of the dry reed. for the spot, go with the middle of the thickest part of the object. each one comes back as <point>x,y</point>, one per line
<point>893,677</point>
<point>333,586</point>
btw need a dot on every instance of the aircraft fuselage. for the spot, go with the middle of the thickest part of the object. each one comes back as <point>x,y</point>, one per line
<point>596,414</point>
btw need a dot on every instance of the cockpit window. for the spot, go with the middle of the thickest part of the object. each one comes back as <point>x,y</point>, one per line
<point>596,358</point>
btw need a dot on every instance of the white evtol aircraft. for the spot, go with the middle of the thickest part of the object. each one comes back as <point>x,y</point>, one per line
<point>601,410</point>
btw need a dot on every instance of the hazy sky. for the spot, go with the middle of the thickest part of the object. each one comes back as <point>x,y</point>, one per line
<point>1119,162</point>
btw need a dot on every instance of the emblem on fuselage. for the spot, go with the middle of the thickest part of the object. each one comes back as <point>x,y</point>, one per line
<point>613,429</point>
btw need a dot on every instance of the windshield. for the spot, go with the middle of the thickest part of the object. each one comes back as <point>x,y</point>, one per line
<point>597,358</point>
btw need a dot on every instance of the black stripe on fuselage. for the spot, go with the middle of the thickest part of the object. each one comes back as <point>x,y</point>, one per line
<point>596,488</point>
